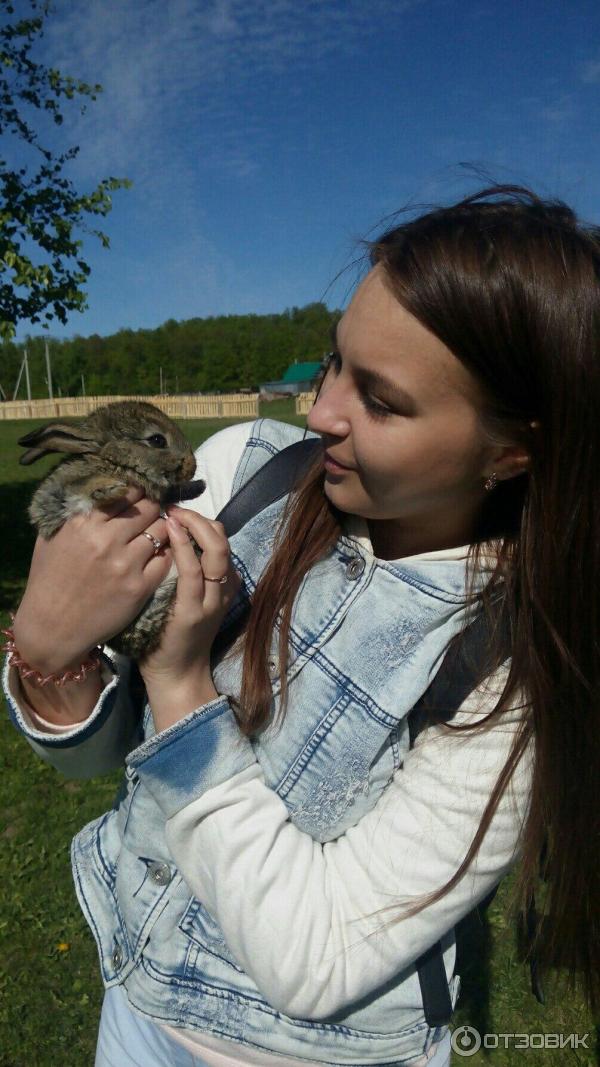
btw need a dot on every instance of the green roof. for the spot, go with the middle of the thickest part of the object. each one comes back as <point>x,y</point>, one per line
<point>301,372</point>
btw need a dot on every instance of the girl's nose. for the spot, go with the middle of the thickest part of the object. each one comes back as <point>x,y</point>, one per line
<point>328,414</point>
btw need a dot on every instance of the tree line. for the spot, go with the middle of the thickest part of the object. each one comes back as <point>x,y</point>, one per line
<point>220,354</point>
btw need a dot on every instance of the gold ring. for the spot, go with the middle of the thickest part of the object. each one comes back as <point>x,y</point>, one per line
<point>157,544</point>
<point>221,581</point>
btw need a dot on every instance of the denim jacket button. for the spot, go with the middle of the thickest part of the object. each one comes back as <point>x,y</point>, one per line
<point>272,667</point>
<point>160,873</point>
<point>355,568</point>
<point>117,958</point>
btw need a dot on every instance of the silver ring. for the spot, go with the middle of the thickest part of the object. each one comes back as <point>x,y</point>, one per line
<point>221,581</point>
<point>157,544</point>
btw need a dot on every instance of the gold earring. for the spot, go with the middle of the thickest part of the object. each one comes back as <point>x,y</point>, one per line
<point>491,482</point>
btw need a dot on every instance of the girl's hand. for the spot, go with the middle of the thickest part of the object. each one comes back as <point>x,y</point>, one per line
<point>89,580</point>
<point>177,674</point>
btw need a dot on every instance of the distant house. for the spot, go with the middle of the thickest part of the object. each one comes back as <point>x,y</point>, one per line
<point>298,378</point>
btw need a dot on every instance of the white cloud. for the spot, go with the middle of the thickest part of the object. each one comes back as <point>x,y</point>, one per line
<point>177,69</point>
<point>190,92</point>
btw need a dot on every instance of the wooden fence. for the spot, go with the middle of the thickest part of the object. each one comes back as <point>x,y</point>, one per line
<point>228,405</point>
<point>304,402</point>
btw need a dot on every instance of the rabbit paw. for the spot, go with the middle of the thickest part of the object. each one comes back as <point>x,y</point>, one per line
<point>104,493</point>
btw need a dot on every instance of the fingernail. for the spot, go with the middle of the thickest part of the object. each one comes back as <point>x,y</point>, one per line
<point>172,521</point>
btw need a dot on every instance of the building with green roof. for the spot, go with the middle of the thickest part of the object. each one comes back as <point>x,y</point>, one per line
<point>298,378</point>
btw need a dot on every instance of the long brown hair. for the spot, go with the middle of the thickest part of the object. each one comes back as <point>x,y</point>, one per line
<point>510,283</point>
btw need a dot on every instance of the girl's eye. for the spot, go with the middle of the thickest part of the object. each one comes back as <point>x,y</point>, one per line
<point>333,362</point>
<point>379,411</point>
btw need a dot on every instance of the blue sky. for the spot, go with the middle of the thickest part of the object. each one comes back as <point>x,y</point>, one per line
<point>264,137</point>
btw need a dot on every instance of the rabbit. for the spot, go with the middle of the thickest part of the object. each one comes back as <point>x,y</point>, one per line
<point>126,443</point>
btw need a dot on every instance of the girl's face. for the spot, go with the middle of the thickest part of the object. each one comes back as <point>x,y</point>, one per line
<point>399,413</point>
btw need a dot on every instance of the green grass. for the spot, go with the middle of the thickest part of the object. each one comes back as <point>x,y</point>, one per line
<point>50,990</point>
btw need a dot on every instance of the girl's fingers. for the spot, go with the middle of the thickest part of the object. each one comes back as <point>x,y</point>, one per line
<point>210,538</point>
<point>151,536</point>
<point>128,516</point>
<point>154,550</point>
<point>188,564</point>
<point>136,518</point>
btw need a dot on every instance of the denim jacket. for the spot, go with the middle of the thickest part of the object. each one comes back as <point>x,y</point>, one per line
<point>366,638</point>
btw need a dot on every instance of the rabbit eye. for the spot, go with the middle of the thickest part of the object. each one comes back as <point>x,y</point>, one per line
<point>157,440</point>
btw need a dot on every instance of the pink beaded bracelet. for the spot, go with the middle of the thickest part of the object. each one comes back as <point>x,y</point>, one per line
<point>26,671</point>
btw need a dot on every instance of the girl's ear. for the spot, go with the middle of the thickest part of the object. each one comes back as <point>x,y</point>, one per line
<point>56,437</point>
<point>510,462</point>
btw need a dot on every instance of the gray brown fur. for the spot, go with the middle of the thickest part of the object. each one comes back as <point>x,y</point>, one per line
<point>113,448</point>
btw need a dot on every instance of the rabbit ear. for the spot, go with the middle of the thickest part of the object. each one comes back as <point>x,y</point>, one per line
<point>56,437</point>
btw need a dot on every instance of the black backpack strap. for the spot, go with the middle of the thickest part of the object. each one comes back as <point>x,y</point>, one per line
<point>273,480</point>
<point>437,1005</point>
<point>463,666</point>
<point>276,478</point>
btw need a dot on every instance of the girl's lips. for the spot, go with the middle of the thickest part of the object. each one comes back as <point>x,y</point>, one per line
<point>333,466</point>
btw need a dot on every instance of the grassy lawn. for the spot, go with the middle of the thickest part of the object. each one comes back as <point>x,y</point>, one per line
<point>50,991</point>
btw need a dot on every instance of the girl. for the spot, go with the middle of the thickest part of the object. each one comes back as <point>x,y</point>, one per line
<point>282,857</point>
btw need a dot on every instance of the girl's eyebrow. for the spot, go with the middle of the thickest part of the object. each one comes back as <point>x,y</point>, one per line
<point>371,378</point>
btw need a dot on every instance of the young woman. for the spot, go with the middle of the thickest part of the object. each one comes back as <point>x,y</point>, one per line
<point>282,857</point>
